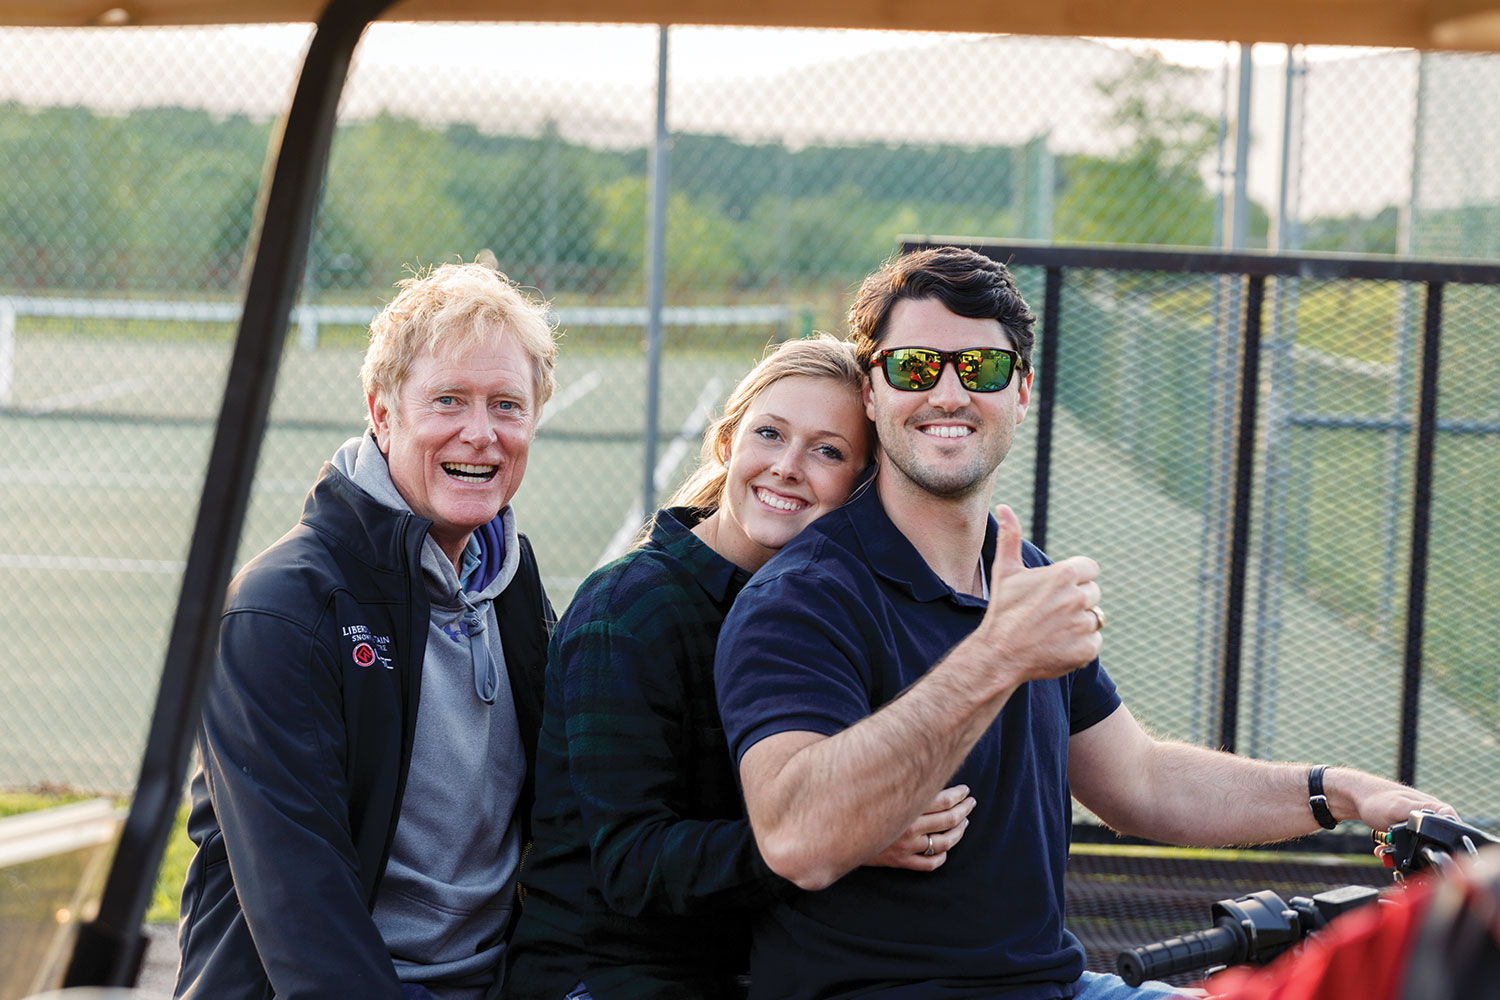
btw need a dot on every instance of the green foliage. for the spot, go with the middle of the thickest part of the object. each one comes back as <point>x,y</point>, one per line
<point>135,201</point>
<point>701,243</point>
<point>1355,319</point>
<point>1352,233</point>
<point>1125,333</point>
<point>385,191</point>
<point>13,803</point>
<point>1153,191</point>
<point>167,892</point>
<point>161,201</point>
<point>1132,200</point>
<point>1152,111</point>
<point>536,203</point>
<point>168,889</point>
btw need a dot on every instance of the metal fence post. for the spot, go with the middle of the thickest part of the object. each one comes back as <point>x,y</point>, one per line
<point>1271,551</point>
<point>655,275</point>
<point>7,351</point>
<point>1421,519</point>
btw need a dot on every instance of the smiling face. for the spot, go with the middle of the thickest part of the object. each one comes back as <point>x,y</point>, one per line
<point>458,436</point>
<point>796,455</point>
<point>946,442</point>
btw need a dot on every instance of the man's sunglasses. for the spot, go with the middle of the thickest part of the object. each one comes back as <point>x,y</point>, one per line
<point>917,369</point>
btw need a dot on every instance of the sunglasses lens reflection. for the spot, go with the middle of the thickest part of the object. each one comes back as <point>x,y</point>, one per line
<point>913,370</point>
<point>916,369</point>
<point>990,372</point>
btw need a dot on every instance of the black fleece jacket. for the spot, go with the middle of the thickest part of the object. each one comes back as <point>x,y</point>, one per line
<point>304,745</point>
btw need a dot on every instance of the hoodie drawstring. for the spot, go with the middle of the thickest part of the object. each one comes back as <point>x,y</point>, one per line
<point>486,676</point>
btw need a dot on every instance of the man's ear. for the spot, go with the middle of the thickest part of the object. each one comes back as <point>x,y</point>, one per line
<point>1023,396</point>
<point>380,421</point>
<point>868,394</point>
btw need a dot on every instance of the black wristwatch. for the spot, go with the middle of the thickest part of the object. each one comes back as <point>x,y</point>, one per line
<point>1316,800</point>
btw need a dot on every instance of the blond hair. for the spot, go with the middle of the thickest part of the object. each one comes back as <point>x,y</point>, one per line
<point>821,356</point>
<point>456,309</point>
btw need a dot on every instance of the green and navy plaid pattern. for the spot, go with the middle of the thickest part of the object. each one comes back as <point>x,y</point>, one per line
<point>643,870</point>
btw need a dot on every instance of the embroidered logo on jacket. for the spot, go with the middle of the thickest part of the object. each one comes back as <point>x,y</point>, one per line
<point>367,648</point>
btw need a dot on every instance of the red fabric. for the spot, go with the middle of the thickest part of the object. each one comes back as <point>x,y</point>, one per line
<point>1360,956</point>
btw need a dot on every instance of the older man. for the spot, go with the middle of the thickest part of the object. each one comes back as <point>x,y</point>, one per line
<point>908,641</point>
<point>361,800</point>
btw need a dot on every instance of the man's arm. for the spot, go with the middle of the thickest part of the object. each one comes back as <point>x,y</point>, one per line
<point>821,806</point>
<point>1178,793</point>
<point>272,743</point>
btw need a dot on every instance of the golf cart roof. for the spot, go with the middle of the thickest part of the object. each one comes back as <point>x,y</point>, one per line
<point>1424,24</point>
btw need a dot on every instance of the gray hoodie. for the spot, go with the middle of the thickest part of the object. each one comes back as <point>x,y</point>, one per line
<point>445,900</point>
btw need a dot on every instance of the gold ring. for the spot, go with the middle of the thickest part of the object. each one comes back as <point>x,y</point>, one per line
<point>1098,614</point>
<point>929,852</point>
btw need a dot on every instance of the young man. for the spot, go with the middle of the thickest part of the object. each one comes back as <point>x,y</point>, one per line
<point>367,738</point>
<point>909,641</point>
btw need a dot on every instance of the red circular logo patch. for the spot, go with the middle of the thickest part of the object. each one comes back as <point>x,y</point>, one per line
<point>364,655</point>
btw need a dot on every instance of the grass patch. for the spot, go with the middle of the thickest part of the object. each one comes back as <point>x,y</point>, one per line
<point>1220,854</point>
<point>174,863</point>
<point>15,803</point>
<point>169,878</point>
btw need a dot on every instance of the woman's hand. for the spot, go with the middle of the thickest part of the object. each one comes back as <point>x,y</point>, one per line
<point>926,843</point>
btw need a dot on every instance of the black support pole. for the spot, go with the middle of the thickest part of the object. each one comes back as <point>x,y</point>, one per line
<point>1046,390</point>
<point>1239,530</point>
<point>109,948</point>
<point>1421,518</point>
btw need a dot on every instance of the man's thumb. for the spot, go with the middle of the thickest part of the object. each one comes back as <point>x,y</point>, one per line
<point>1007,543</point>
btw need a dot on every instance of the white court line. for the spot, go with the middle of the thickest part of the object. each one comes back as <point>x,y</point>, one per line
<point>137,481</point>
<point>145,480</point>
<point>571,394</point>
<point>90,564</point>
<point>688,437</point>
<point>91,394</point>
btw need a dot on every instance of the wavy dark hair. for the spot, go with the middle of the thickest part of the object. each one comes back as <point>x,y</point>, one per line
<point>966,283</point>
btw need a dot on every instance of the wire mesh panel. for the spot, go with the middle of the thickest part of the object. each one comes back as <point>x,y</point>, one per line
<point>1456,196</point>
<point>122,226</point>
<point>1138,475</point>
<point>1353,122</point>
<point>1266,592</point>
<point>1459,710</point>
<point>1335,524</point>
<point>793,162</point>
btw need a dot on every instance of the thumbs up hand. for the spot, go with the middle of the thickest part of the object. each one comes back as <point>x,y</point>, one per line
<point>1042,621</point>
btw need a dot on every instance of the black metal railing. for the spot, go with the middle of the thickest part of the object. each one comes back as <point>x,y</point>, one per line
<point>1248,273</point>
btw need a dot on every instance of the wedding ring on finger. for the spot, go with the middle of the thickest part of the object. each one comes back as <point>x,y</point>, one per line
<point>929,852</point>
<point>1098,614</point>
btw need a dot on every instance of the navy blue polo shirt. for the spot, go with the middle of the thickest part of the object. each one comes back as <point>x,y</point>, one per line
<point>838,623</point>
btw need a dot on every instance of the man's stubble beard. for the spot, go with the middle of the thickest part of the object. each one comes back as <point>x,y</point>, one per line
<point>960,483</point>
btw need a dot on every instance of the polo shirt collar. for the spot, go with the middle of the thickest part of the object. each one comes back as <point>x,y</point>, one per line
<point>892,555</point>
<point>671,531</point>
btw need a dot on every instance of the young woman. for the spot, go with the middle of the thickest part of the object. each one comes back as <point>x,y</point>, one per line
<point>644,871</point>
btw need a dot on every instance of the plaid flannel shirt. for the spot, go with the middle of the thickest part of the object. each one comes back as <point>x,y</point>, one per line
<point>643,871</point>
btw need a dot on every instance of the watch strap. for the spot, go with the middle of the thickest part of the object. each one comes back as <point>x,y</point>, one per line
<point>1316,800</point>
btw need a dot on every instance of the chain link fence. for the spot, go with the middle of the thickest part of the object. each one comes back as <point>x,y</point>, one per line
<point>1144,473</point>
<point>796,161</point>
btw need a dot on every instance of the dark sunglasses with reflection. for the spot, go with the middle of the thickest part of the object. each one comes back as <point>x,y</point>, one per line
<point>917,369</point>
